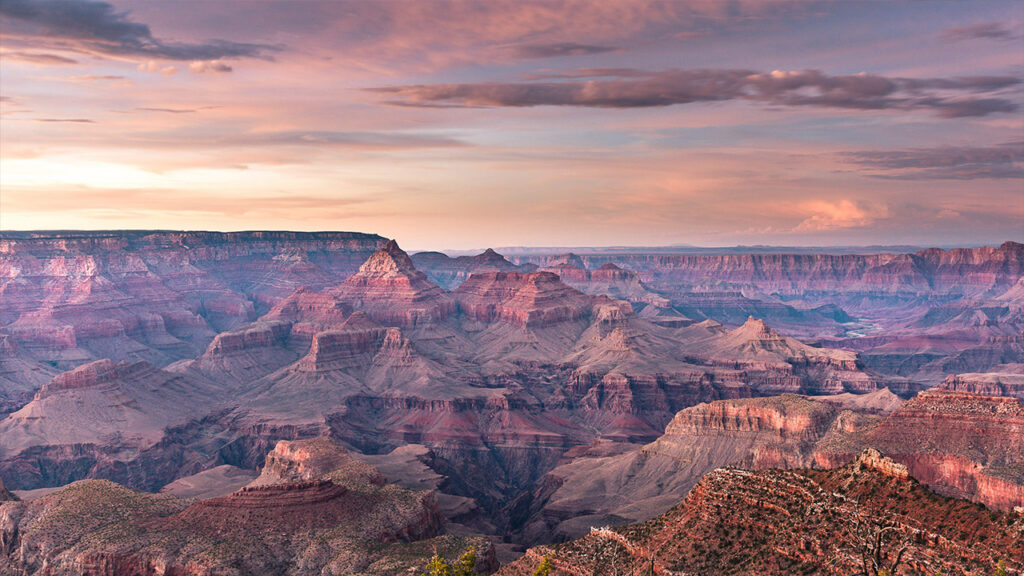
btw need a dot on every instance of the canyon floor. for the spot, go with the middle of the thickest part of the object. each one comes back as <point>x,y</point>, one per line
<point>191,403</point>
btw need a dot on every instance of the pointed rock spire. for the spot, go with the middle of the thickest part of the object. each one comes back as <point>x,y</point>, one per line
<point>391,291</point>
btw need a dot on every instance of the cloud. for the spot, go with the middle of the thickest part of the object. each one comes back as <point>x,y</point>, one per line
<point>127,204</point>
<point>639,89</point>
<point>95,26</point>
<point>550,74</point>
<point>71,120</point>
<point>982,31</point>
<point>826,216</point>
<point>169,110</point>
<point>95,78</point>
<point>153,66</point>
<point>353,139</point>
<point>559,49</point>
<point>210,66</point>
<point>944,162</point>
<point>39,58</point>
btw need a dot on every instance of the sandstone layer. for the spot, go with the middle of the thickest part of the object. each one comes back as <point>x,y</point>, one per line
<point>798,522</point>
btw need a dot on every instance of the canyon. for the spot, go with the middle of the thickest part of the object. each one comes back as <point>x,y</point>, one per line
<point>160,387</point>
<point>865,514</point>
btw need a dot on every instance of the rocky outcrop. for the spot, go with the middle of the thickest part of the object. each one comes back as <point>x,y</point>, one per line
<point>116,409</point>
<point>775,364</point>
<point>5,495</point>
<point>449,273</point>
<point>535,299</point>
<point>974,269</point>
<point>608,485</point>
<point>797,522</point>
<point>308,460</point>
<point>73,297</point>
<point>391,291</point>
<point>872,459</point>
<point>781,417</point>
<point>350,346</point>
<point>958,443</point>
<point>987,384</point>
<point>243,356</point>
<point>311,518</point>
<point>610,280</point>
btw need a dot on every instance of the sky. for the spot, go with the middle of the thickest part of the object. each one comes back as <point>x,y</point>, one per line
<point>466,124</point>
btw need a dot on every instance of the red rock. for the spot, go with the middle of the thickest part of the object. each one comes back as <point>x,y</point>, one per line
<point>5,496</point>
<point>70,298</point>
<point>612,281</point>
<point>799,522</point>
<point>350,346</point>
<point>391,291</point>
<point>449,273</point>
<point>960,443</point>
<point>521,299</point>
<point>987,384</point>
<point>322,512</point>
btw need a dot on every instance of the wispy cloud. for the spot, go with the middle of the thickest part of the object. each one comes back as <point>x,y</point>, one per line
<point>40,58</point>
<point>69,120</point>
<point>981,31</point>
<point>94,26</point>
<point>558,49</point>
<point>637,89</point>
<point>95,78</point>
<point>168,110</point>
<point>944,162</point>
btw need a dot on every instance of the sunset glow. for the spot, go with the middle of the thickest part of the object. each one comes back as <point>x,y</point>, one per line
<point>468,124</point>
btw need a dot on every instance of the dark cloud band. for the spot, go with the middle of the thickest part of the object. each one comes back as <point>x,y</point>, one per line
<point>618,88</point>
<point>95,26</point>
<point>944,162</point>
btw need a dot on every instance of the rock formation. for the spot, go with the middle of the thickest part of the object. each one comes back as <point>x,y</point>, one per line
<point>177,362</point>
<point>97,417</point>
<point>391,291</point>
<point>988,383</point>
<point>449,273</point>
<point>315,509</point>
<point>535,299</point>
<point>798,522</point>
<point>70,298</point>
<point>5,495</point>
<point>960,444</point>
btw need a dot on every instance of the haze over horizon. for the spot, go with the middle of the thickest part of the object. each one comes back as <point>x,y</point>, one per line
<point>461,125</point>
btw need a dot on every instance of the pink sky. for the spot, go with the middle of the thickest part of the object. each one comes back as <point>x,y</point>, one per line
<point>470,124</point>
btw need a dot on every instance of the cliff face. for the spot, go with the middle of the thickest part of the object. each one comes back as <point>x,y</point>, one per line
<point>926,314</point>
<point>314,509</point>
<point>497,380</point>
<point>963,444</point>
<point>988,384</point>
<point>551,408</point>
<point>804,522</point>
<point>449,273</point>
<point>159,296</point>
<point>391,291</point>
<point>974,270</point>
<point>603,484</point>
<point>5,495</point>
<point>610,280</point>
<point>536,299</point>
<point>960,444</point>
